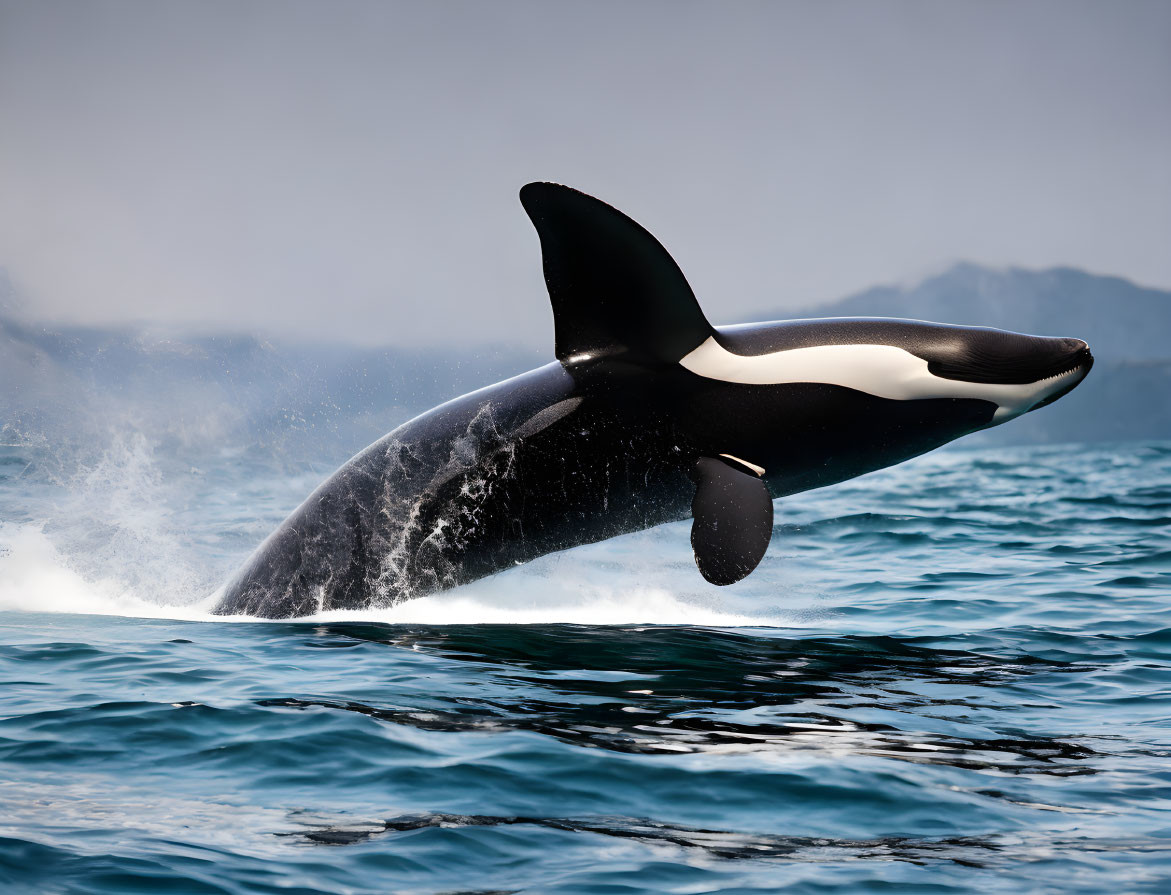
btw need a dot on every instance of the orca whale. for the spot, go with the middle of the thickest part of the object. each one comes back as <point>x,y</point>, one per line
<point>649,414</point>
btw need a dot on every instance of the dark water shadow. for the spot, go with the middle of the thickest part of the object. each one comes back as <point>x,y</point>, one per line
<point>963,850</point>
<point>660,690</point>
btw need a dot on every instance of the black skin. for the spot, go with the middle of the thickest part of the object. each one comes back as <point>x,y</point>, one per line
<point>616,436</point>
<point>560,457</point>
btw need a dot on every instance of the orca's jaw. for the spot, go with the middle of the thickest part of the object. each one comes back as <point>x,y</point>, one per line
<point>1049,370</point>
<point>1066,382</point>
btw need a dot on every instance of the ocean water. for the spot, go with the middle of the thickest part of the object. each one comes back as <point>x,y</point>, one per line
<point>950,676</point>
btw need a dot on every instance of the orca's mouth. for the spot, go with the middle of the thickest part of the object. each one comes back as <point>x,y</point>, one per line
<point>1083,362</point>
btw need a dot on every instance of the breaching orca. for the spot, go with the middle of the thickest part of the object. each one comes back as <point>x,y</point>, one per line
<point>649,415</point>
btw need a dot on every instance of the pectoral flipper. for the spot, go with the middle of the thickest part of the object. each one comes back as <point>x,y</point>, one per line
<point>733,519</point>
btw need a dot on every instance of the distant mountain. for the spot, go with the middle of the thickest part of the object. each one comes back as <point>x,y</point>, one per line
<point>1128,394</point>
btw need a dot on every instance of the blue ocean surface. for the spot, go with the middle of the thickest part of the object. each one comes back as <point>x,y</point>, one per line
<point>949,676</point>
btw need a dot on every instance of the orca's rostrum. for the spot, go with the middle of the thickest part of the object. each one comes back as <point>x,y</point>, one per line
<point>649,415</point>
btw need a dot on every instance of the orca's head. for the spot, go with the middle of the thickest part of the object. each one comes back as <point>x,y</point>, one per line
<point>1017,372</point>
<point>975,377</point>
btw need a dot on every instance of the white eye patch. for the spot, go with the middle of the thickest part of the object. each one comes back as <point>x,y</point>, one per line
<point>880,370</point>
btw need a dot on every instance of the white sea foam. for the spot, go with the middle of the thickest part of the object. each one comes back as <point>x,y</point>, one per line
<point>587,586</point>
<point>529,597</point>
<point>35,577</point>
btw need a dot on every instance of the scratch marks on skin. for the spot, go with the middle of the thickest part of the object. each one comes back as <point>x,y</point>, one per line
<point>412,561</point>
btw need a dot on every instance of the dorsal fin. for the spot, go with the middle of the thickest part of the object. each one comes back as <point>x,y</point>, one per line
<point>614,288</point>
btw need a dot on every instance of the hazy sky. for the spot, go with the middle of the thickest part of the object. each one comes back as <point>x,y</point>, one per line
<point>350,169</point>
